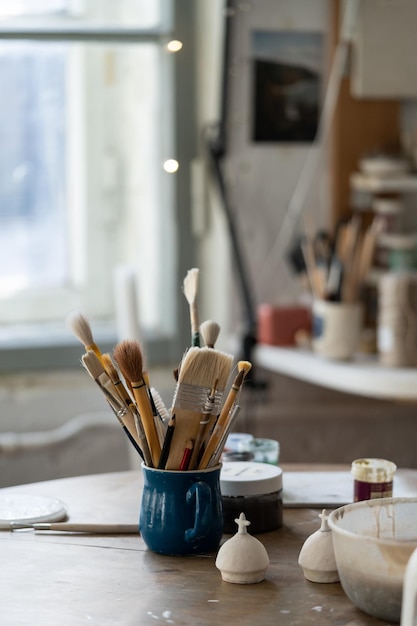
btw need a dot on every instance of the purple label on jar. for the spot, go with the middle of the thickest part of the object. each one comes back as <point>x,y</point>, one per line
<point>368,491</point>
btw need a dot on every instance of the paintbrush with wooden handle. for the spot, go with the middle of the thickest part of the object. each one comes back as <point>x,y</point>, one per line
<point>129,358</point>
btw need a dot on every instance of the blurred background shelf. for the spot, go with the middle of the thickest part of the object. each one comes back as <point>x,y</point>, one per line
<point>378,184</point>
<point>363,376</point>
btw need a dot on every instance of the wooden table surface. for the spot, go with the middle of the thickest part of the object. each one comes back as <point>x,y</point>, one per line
<point>54,579</point>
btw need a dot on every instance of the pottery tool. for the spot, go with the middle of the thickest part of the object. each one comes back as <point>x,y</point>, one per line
<point>81,328</point>
<point>222,422</point>
<point>167,443</point>
<point>128,356</point>
<point>185,461</point>
<point>127,419</point>
<point>70,527</point>
<point>190,289</point>
<point>199,371</point>
<point>209,331</point>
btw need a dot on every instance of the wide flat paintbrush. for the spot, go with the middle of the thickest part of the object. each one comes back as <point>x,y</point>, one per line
<point>201,370</point>
<point>190,289</point>
<point>222,422</point>
<point>128,356</point>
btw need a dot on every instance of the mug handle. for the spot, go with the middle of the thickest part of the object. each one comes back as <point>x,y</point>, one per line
<point>202,494</point>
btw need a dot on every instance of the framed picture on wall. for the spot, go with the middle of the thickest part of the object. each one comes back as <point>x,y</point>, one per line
<point>286,85</point>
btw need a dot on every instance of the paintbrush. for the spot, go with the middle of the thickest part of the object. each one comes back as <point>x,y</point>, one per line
<point>167,443</point>
<point>128,356</point>
<point>190,289</point>
<point>199,371</point>
<point>222,422</point>
<point>215,459</point>
<point>159,423</point>
<point>112,372</point>
<point>209,331</point>
<point>161,414</point>
<point>160,406</point>
<point>204,425</point>
<point>127,419</point>
<point>81,328</point>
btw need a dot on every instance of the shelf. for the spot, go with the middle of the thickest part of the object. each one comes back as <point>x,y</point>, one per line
<point>375,184</point>
<point>364,376</point>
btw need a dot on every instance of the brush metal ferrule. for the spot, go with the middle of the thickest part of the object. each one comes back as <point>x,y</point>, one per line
<point>193,398</point>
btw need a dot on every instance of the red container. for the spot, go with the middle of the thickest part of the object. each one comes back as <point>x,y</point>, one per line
<point>277,326</point>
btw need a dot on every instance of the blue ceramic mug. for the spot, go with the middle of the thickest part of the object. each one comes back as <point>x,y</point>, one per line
<point>181,511</point>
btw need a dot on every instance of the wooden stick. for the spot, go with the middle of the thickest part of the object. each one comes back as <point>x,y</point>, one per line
<point>70,527</point>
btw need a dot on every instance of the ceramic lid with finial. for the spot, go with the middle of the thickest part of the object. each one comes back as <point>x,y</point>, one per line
<point>317,555</point>
<point>242,558</point>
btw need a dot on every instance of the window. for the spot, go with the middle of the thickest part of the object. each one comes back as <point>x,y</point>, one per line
<point>88,140</point>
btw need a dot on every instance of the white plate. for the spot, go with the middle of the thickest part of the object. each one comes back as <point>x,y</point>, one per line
<point>28,509</point>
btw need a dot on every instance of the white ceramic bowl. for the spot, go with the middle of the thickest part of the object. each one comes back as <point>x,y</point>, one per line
<point>373,541</point>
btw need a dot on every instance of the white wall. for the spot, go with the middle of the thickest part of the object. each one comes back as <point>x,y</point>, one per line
<point>261,177</point>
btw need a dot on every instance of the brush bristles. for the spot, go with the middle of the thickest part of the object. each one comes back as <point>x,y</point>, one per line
<point>92,364</point>
<point>128,356</point>
<point>190,285</point>
<point>160,405</point>
<point>244,366</point>
<point>210,331</point>
<point>81,328</point>
<point>201,367</point>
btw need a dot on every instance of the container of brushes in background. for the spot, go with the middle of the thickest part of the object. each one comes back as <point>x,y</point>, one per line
<point>181,511</point>
<point>337,328</point>
<point>254,489</point>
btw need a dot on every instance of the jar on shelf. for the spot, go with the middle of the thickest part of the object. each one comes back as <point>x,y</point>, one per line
<point>397,319</point>
<point>390,211</point>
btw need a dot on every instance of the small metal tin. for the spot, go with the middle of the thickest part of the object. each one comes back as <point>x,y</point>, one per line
<point>373,478</point>
<point>254,489</point>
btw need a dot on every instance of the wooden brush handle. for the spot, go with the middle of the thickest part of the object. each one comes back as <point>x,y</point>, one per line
<point>145,410</point>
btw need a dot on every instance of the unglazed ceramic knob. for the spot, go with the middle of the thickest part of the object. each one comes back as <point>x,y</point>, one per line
<point>242,558</point>
<point>317,555</point>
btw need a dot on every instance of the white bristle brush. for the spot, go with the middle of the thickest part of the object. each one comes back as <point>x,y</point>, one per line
<point>81,328</point>
<point>209,331</point>
<point>190,289</point>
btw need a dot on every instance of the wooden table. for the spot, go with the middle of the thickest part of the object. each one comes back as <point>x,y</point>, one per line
<point>52,579</point>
